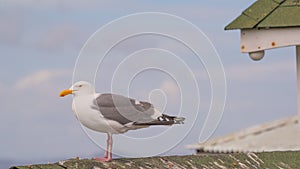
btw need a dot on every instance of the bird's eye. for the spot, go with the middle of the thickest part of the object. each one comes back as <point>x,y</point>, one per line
<point>80,86</point>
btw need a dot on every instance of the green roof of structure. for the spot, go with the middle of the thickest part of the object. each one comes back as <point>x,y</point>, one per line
<point>268,14</point>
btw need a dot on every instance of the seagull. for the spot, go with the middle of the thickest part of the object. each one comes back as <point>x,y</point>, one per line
<point>113,113</point>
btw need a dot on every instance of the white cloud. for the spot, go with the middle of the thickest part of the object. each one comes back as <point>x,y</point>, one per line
<point>40,77</point>
<point>170,87</point>
<point>172,92</point>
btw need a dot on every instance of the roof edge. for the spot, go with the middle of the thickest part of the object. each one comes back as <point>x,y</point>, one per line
<point>256,129</point>
<point>244,21</point>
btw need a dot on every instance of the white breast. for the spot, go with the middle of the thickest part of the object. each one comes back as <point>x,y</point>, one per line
<point>92,118</point>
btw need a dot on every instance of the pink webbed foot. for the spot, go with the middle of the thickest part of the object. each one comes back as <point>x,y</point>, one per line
<point>103,159</point>
<point>108,152</point>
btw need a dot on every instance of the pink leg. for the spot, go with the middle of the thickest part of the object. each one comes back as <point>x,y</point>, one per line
<point>107,147</point>
<point>108,152</point>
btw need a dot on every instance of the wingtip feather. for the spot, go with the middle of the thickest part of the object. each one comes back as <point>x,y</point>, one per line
<point>179,120</point>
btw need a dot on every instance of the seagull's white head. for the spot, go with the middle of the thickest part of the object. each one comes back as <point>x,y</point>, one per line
<point>79,88</point>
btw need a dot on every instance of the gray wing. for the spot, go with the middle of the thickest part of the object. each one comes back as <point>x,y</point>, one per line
<point>123,109</point>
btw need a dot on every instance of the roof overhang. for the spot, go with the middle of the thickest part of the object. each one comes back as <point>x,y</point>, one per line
<point>253,40</point>
<point>268,14</point>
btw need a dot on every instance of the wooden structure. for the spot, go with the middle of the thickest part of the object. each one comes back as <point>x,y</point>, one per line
<point>265,25</point>
<point>269,24</point>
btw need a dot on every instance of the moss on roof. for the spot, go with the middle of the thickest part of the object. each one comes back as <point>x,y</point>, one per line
<point>268,14</point>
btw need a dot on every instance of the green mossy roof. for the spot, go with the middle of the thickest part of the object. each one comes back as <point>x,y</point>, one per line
<point>268,14</point>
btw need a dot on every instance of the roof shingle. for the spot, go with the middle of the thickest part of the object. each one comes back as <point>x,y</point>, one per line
<point>267,14</point>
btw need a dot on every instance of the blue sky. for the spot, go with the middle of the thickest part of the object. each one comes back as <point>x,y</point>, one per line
<point>39,44</point>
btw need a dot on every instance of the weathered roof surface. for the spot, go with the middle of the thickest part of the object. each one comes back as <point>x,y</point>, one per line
<point>268,14</point>
<point>236,160</point>
<point>280,135</point>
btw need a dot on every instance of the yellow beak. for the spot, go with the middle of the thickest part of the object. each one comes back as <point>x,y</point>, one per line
<point>65,92</point>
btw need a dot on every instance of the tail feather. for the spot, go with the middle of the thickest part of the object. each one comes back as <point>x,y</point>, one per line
<point>179,120</point>
<point>176,120</point>
<point>164,120</point>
